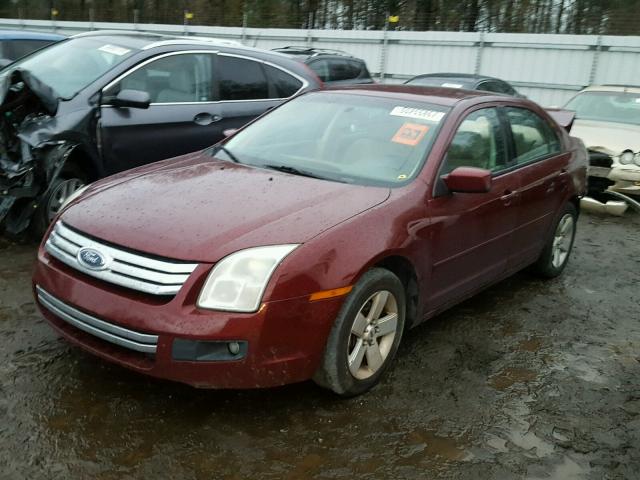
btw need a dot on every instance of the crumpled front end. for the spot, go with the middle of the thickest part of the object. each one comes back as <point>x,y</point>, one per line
<point>31,157</point>
<point>618,172</point>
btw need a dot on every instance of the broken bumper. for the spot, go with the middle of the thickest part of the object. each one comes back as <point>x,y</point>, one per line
<point>625,179</point>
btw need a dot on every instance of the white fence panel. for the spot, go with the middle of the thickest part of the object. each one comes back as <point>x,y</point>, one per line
<point>549,69</point>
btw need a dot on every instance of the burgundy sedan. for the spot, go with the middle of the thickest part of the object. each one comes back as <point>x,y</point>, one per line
<point>306,244</point>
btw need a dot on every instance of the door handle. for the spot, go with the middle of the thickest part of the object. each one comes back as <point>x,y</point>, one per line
<point>508,197</point>
<point>206,119</point>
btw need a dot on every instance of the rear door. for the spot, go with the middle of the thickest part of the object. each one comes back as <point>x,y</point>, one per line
<point>248,88</point>
<point>472,233</point>
<point>183,116</point>
<point>541,166</point>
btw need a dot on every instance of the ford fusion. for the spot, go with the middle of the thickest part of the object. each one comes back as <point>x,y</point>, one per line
<point>306,244</point>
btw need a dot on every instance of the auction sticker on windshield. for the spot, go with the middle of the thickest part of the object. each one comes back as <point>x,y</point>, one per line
<point>114,49</point>
<point>410,134</point>
<point>419,113</point>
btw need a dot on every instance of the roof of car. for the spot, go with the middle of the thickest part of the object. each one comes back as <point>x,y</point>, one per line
<point>148,40</point>
<point>436,95</point>
<point>308,52</point>
<point>29,35</point>
<point>613,88</point>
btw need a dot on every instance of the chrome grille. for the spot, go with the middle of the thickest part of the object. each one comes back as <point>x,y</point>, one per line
<point>127,269</point>
<point>140,342</point>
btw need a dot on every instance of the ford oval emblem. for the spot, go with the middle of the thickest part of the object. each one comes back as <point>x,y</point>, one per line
<point>92,259</point>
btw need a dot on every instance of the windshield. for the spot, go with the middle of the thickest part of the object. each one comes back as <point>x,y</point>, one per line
<point>68,67</point>
<point>342,137</point>
<point>620,107</point>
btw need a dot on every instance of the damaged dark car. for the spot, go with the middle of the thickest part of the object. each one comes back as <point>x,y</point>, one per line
<point>103,102</point>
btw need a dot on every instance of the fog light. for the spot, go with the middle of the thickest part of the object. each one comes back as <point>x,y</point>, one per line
<point>208,351</point>
<point>234,348</point>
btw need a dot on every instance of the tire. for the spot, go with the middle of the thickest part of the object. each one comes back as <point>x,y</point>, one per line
<point>555,255</point>
<point>358,331</point>
<point>69,180</point>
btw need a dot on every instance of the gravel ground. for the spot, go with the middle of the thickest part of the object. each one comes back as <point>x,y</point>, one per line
<point>530,379</point>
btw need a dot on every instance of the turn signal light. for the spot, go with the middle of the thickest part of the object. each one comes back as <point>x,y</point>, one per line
<point>335,292</point>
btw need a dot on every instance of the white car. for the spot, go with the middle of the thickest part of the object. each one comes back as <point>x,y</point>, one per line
<point>608,122</point>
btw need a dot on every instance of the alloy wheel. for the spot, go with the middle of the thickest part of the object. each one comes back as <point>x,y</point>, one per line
<point>562,240</point>
<point>60,193</point>
<point>372,333</point>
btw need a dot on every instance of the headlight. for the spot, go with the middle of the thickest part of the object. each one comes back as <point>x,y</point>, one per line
<point>237,282</point>
<point>72,197</point>
<point>626,158</point>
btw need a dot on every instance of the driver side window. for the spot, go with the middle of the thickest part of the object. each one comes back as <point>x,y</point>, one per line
<point>478,142</point>
<point>173,79</point>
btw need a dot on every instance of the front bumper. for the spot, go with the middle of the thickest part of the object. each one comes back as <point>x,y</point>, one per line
<point>284,341</point>
<point>625,179</point>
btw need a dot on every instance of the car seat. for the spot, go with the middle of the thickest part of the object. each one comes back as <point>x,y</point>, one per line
<point>468,149</point>
<point>181,88</point>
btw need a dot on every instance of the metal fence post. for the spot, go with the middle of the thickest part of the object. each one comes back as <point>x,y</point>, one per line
<point>478,64</point>
<point>136,18</point>
<point>91,19</point>
<point>243,36</point>
<point>383,52</point>
<point>596,59</point>
<point>309,33</point>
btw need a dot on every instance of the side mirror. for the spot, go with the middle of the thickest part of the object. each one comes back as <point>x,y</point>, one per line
<point>468,180</point>
<point>131,99</point>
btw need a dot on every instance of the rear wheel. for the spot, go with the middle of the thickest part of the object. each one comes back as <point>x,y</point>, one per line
<point>555,256</point>
<point>365,336</point>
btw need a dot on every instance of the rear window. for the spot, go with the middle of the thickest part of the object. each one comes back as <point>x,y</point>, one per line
<point>439,82</point>
<point>241,79</point>
<point>284,85</point>
<point>343,70</point>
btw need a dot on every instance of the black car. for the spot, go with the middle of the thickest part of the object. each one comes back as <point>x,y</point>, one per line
<point>15,44</point>
<point>104,102</point>
<point>466,81</point>
<point>333,67</point>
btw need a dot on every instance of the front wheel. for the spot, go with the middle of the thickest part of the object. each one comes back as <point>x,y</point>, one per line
<point>555,256</point>
<point>365,336</point>
<point>69,181</point>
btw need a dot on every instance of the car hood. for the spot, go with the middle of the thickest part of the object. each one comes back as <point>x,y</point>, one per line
<point>201,209</point>
<point>607,137</point>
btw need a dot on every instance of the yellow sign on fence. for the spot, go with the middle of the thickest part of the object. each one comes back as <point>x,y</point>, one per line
<point>394,19</point>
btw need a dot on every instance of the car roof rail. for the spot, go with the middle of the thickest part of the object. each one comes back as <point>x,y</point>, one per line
<point>313,51</point>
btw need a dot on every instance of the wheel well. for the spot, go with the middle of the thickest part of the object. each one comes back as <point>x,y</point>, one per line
<point>576,203</point>
<point>80,161</point>
<point>403,269</point>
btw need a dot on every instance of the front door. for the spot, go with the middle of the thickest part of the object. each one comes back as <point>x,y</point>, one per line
<point>183,117</point>
<point>472,232</point>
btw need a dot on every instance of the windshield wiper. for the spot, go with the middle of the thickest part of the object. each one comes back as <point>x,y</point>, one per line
<point>294,171</point>
<point>233,158</point>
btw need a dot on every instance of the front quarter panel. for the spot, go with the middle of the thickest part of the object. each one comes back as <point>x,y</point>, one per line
<point>339,256</point>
